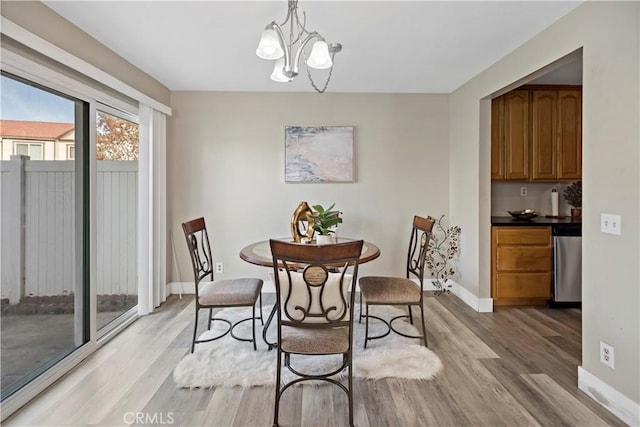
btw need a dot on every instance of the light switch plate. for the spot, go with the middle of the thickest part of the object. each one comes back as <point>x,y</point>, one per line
<point>611,224</point>
<point>616,224</point>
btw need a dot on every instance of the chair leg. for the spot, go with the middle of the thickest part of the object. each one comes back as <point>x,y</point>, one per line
<point>195,331</point>
<point>261,318</point>
<point>278,373</point>
<point>424,327</point>
<point>253,326</point>
<point>350,392</point>
<point>410,314</point>
<point>366,326</point>
<point>209,321</point>
<point>360,318</point>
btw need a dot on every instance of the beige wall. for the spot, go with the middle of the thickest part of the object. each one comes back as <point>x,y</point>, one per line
<point>45,23</point>
<point>226,162</point>
<point>609,34</point>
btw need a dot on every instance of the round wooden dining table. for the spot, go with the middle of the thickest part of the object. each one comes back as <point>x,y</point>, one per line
<point>259,253</point>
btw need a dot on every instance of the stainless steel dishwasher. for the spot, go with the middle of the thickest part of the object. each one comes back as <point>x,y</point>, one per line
<point>567,265</point>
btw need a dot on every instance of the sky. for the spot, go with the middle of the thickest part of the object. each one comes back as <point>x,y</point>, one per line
<point>19,101</point>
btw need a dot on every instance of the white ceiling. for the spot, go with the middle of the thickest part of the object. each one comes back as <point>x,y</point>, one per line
<point>389,46</point>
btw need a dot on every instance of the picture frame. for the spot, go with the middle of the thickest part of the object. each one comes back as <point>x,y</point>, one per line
<point>319,154</point>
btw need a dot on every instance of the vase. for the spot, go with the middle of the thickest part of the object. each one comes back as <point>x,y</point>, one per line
<point>324,239</point>
<point>576,213</point>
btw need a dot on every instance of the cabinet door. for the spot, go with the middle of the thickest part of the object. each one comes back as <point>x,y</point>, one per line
<point>516,116</point>
<point>569,146</point>
<point>497,138</point>
<point>543,134</point>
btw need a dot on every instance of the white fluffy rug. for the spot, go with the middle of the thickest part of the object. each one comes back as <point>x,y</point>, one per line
<point>229,362</point>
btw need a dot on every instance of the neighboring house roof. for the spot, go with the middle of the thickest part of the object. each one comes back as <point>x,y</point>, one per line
<point>34,130</point>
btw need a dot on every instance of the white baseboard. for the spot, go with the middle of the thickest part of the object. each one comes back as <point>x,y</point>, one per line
<point>179,288</point>
<point>610,398</point>
<point>483,305</point>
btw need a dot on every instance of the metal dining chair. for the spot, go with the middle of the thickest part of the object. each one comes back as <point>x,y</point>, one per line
<point>403,291</point>
<point>243,292</point>
<point>314,299</point>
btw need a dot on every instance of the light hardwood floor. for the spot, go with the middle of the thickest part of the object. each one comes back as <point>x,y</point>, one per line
<point>512,367</point>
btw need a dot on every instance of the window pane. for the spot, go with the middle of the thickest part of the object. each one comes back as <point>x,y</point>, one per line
<point>116,216</point>
<point>22,149</point>
<point>116,138</point>
<point>42,318</point>
<point>35,151</point>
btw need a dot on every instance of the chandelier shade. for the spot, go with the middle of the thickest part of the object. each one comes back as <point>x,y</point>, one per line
<point>287,50</point>
<point>269,47</point>
<point>278,72</point>
<point>320,58</point>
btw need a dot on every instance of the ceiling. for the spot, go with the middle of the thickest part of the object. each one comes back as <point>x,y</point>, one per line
<point>388,46</point>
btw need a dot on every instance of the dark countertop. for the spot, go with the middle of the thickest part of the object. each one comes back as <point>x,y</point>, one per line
<point>539,221</point>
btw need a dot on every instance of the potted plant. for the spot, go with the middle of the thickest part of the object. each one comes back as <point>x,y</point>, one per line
<point>573,195</point>
<point>324,221</point>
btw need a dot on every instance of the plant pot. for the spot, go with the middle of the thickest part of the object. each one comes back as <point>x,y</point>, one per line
<point>576,213</point>
<point>324,239</point>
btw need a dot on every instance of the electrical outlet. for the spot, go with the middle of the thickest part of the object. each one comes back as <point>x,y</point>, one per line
<point>607,355</point>
<point>219,267</point>
<point>523,191</point>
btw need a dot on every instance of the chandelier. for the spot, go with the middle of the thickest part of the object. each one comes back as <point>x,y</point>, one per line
<point>286,54</point>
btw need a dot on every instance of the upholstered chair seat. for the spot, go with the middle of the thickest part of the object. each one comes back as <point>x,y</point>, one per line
<point>385,290</point>
<point>314,341</point>
<point>230,292</point>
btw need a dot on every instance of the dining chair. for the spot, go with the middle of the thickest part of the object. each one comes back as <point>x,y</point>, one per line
<point>403,291</point>
<point>314,300</point>
<point>241,292</point>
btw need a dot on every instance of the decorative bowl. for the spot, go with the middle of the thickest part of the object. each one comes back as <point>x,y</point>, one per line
<point>523,214</point>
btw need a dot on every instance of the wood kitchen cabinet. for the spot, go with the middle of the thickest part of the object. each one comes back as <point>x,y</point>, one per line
<point>520,265</point>
<point>510,136</point>
<point>569,149</point>
<point>536,134</point>
<point>544,124</point>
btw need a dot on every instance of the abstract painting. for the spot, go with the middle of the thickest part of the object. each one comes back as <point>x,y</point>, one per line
<point>319,154</point>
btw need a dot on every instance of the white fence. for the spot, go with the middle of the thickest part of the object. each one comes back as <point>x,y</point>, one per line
<point>38,227</point>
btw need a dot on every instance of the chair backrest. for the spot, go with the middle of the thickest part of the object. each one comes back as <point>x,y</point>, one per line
<point>315,284</point>
<point>418,246</point>
<point>195,231</point>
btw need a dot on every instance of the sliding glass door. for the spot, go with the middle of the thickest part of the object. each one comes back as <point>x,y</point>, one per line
<point>52,303</point>
<point>43,229</point>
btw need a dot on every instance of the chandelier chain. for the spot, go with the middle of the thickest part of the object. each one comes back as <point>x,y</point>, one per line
<point>326,84</point>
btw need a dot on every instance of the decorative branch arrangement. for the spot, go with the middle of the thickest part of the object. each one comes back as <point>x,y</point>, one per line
<point>573,194</point>
<point>443,250</point>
